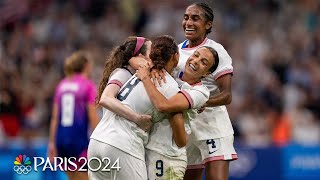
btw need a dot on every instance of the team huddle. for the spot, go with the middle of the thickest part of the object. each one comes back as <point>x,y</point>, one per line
<point>163,105</point>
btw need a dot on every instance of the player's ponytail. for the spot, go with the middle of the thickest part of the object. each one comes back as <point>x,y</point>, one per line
<point>162,49</point>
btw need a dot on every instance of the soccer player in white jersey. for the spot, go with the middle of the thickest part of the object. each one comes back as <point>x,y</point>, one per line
<point>211,140</point>
<point>166,159</point>
<point>117,71</point>
<point>119,68</point>
<point>119,139</point>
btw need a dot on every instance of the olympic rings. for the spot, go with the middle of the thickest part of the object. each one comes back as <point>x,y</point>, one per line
<point>19,169</point>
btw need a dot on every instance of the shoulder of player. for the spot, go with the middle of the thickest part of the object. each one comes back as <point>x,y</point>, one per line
<point>222,52</point>
<point>58,86</point>
<point>120,75</point>
<point>170,82</point>
<point>196,87</point>
<point>121,71</point>
<point>64,81</point>
<point>207,42</point>
<point>215,45</point>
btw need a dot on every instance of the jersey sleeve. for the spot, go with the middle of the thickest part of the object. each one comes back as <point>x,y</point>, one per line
<point>119,77</point>
<point>225,63</point>
<point>196,95</point>
<point>92,93</point>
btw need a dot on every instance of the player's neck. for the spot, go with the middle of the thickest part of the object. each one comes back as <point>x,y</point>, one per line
<point>131,69</point>
<point>85,74</point>
<point>169,68</point>
<point>190,80</point>
<point>196,42</point>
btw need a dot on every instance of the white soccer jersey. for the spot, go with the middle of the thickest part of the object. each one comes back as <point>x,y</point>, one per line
<point>124,134</point>
<point>161,139</point>
<point>118,77</point>
<point>197,95</point>
<point>214,122</point>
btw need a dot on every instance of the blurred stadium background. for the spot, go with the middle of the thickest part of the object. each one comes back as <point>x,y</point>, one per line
<point>274,44</point>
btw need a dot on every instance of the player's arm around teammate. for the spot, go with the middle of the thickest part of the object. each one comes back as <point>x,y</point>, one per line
<point>197,95</point>
<point>203,62</point>
<point>200,64</point>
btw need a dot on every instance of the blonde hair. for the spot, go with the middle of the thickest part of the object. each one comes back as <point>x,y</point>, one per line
<point>75,63</point>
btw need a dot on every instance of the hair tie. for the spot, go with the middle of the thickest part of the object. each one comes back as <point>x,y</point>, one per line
<point>140,42</point>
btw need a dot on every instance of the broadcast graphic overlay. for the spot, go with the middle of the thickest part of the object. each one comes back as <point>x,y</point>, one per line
<point>22,164</point>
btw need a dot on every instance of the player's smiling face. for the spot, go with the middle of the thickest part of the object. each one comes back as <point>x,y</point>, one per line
<point>199,63</point>
<point>194,23</point>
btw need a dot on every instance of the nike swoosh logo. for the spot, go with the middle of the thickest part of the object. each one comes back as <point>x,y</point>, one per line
<point>212,152</point>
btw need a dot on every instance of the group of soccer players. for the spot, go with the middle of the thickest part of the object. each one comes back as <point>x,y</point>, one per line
<point>153,128</point>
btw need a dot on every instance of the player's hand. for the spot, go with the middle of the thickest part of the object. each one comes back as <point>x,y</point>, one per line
<point>158,76</point>
<point>144,122</point>
<point>143,73</point>
<point>138,61</point>
<point>52,151</point>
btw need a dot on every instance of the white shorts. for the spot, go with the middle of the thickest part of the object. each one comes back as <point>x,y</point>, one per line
<point>165,167</point>
<point>201,152</point>
<point>130,166</point>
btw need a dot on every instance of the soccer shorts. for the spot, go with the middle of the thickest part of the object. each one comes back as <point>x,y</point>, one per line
<point>130,166</point>
<point>201,152</point>
<point>165,167</point>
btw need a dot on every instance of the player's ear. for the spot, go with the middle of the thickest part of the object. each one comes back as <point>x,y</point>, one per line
<point>206,74</point>
<point>208,25</point>
<point>177,55</point>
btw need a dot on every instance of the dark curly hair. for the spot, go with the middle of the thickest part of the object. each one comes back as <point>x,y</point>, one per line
<point>162,49</point>
<point>118,58</point>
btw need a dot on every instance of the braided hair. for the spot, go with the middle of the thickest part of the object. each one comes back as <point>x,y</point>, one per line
<point>208,12</point>
<point>162,49</point>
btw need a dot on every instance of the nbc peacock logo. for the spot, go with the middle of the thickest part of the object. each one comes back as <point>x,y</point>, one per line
<point>22,164</point>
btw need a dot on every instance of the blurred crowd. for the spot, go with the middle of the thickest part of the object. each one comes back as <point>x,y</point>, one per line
<point>274,44</point>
